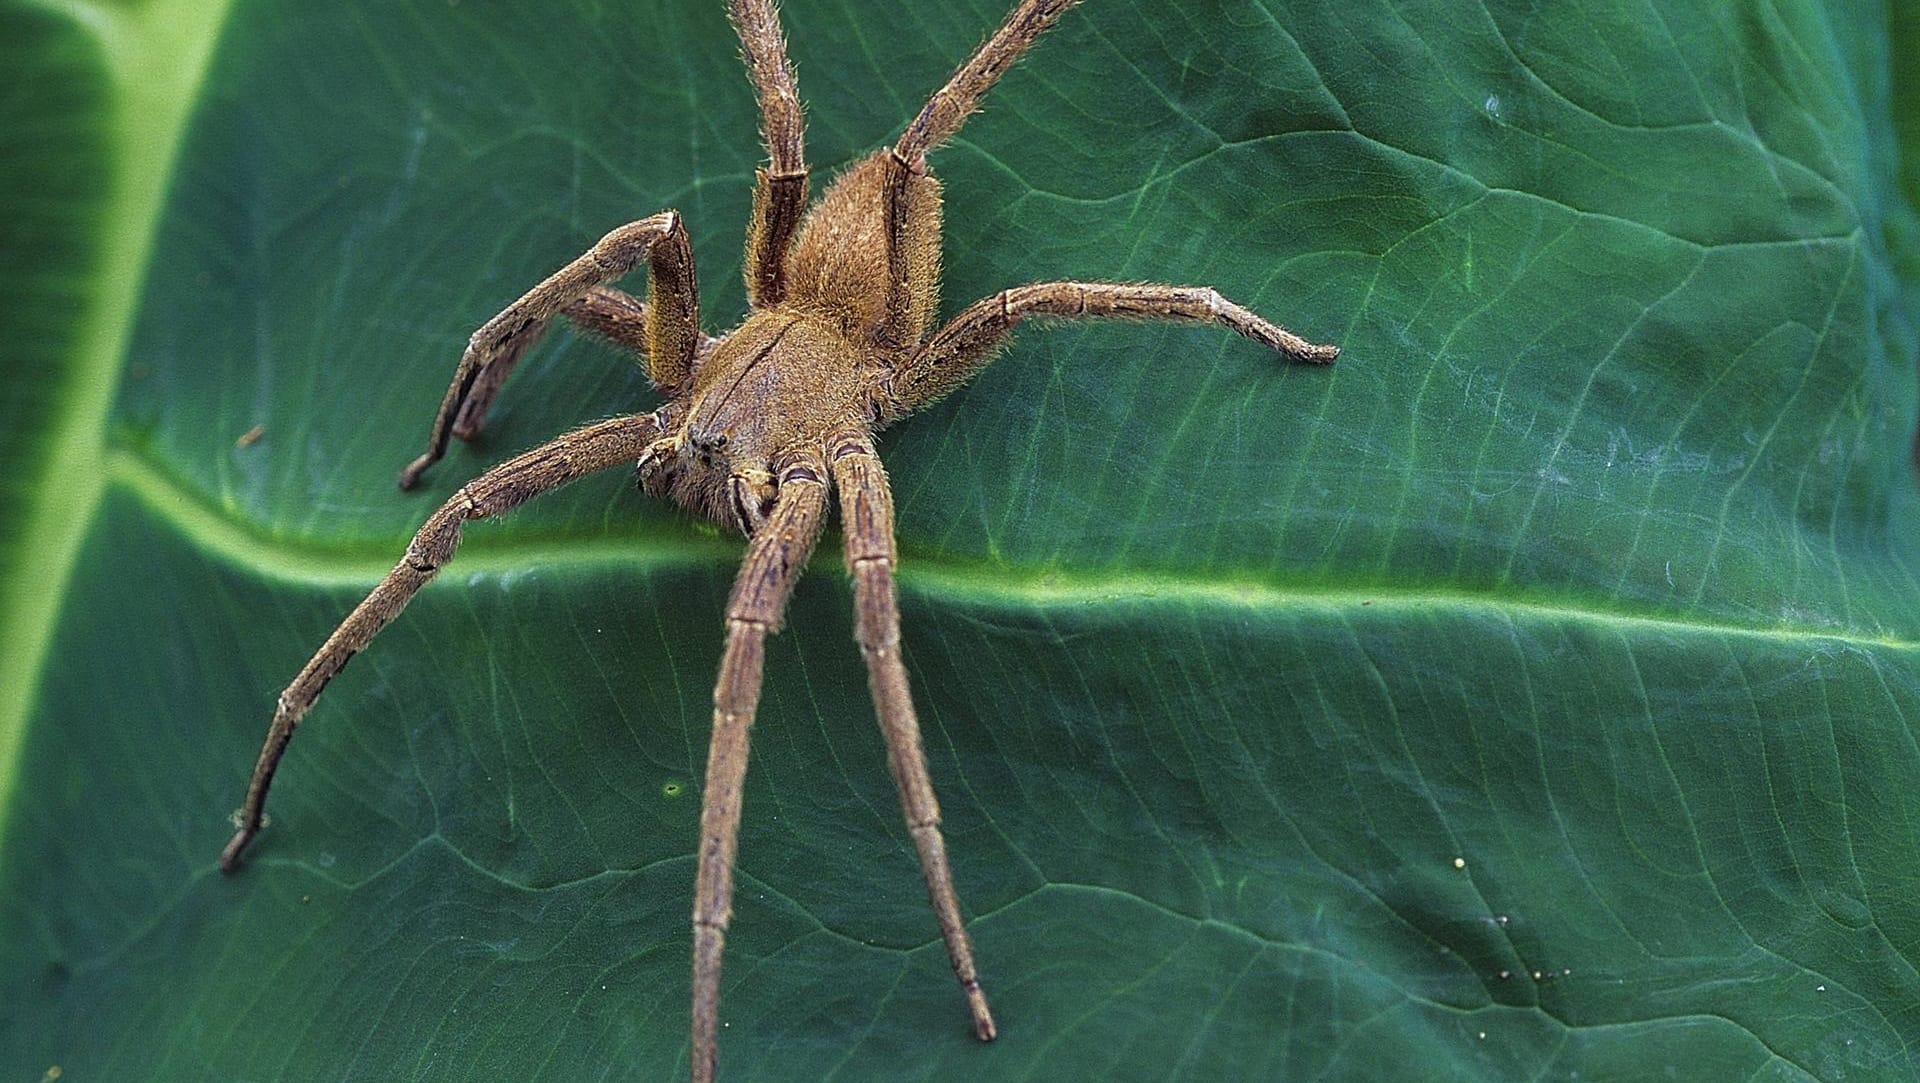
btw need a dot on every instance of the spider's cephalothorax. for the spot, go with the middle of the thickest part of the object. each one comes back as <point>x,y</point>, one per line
<point>760,425</point>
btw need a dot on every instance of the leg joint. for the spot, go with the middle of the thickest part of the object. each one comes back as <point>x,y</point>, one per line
<point>918,164</point>
<point>803,466</point>
<point>845,445</point>
<point>496,333</point>
<point>622,248</point>
<point>433,546</point>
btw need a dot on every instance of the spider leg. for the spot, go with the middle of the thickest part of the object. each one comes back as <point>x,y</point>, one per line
<point>950,106</point>
<point>602,311</point>
<point>672,325</point>
<point>958,351</point>
<point>942,116</point>
<point>780,189</point>
<point>607,313</point>
<point>775,555</point>
<point>866,513</point>
<point>547,467</point>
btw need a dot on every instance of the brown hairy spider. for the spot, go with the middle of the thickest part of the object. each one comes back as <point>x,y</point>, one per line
<point>760,424</point>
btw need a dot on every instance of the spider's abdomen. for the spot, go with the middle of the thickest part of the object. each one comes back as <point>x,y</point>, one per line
<point>838,265</point>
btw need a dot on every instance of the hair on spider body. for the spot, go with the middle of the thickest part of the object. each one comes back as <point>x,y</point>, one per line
<point>779,382</point>
<point>759,427</point>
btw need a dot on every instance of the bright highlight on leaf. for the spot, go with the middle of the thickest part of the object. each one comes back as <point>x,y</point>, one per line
<point>1619,451</point>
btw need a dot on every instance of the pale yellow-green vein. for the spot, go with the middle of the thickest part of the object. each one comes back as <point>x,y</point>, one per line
<point>957,581</point>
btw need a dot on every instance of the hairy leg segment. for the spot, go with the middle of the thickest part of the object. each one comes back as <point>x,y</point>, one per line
<point>866,515</point>
<point>780,189</point>
<point>775,555</point>
<point>672,325</point>
<point>958,351</point>
<point>619,318</point>
<point>579,453</point>
<point>938,121</point>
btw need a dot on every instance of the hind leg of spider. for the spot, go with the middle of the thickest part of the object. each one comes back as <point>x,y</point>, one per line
<point>950,106</point>
<point>866,515</point>
<point>958,351</point>
<point>776,553</point>
<point>780,189</point>
<point>547,467</point>
<point>672,322</point>
<point>937,122</point>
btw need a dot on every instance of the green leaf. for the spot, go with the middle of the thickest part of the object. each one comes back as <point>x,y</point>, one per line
<point>1530,695</point>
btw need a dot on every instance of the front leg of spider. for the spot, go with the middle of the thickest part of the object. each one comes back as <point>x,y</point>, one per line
<point>670,325</point>
<point>759,425</point>
<point>775,555</point>
<point>866,517</point>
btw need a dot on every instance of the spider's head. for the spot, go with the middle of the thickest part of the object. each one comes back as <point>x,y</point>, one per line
<point>694,469</point>
<point>708,446</point>
<point>765,392</point>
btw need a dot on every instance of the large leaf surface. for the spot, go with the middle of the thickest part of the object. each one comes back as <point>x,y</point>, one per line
<point>1529,695</point>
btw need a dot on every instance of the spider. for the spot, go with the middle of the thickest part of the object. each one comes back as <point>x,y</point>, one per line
<point>760,425</point>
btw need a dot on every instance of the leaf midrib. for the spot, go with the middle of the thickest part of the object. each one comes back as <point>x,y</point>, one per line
<point>954,579</point>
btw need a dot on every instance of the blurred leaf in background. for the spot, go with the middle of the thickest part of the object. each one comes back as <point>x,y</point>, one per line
<point>1529,696</point>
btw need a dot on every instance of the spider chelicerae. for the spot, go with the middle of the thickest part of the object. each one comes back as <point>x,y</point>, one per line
<point>760,425</point>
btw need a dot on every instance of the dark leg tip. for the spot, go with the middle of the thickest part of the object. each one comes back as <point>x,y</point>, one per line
<point>410,477</point>
<point>1308,353</point>
<point>230,857</point>
<point>983,1027</point>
